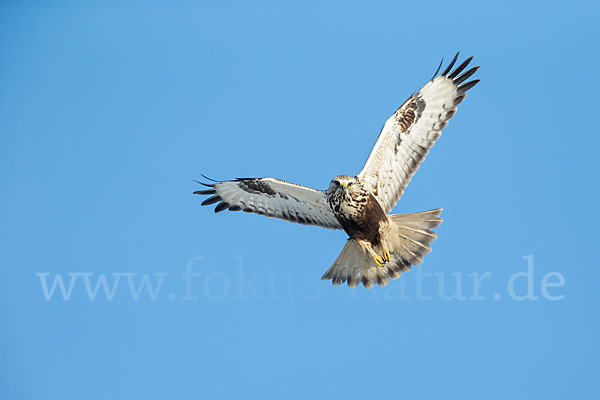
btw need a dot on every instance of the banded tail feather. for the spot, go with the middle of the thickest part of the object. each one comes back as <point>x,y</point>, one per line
<point>408,237</point>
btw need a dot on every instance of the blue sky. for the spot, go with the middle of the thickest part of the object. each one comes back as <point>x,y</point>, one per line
<point>109,110</point>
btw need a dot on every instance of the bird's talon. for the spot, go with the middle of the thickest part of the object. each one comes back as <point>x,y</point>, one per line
<point>386,256</point>
<point>379,261</point>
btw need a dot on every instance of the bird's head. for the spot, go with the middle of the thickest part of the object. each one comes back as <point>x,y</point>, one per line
<point>344,183</point>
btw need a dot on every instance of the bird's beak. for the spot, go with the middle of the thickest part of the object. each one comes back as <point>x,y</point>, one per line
<point>344,185</point>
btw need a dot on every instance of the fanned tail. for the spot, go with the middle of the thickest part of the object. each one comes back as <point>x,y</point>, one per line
<point>408,239</point>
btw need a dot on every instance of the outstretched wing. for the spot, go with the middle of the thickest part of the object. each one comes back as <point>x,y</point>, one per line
<point>411,131</point>
<point>273,198</point>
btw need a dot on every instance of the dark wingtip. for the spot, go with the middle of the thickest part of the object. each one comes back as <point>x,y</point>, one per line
<point>469,85</point>
<point>438,69</point>
<point>204,184</point>
<point>449,67</point>
<point>460,68</point>
<point>466,75</point>
<point>211,200</point>
<point>221,206</point>
<point>210,179</point>
<point>205,192</point>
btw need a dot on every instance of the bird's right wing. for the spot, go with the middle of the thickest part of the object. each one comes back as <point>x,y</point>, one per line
<point>273,198</point>
<point>411,131</point>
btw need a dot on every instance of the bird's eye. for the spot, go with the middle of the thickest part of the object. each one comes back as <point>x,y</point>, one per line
<point>350,183</point>
<point>336,183</point>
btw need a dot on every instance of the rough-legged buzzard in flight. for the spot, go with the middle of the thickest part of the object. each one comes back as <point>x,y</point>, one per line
<point>380,246</point>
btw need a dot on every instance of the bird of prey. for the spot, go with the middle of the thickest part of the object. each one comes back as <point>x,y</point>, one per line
<point>380,246</point>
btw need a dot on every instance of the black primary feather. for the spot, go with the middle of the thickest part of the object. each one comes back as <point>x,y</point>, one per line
<point>468,85</point>
<point>460,68</point>
<point>210,191</point>
<point>449,67</point>
<point>221,206</point>
<point>204,184</point>
<point>466,75</point>
<point>210,179</point>
<point>211,200</point>
<point>438,69</point>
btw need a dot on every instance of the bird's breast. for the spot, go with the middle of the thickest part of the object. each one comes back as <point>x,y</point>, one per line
<point>358,213</point>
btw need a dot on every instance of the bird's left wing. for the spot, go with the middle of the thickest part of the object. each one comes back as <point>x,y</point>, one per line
<point>273,198</point>
<point>411,131</point>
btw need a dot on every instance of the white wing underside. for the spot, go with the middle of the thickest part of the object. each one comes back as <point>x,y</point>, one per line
<point>273,198</point>
<point>410,132</point>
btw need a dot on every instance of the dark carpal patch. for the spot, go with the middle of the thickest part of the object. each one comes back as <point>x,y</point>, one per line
<point>409,113</point>
<point>256,186</point>
<point>406,115</point>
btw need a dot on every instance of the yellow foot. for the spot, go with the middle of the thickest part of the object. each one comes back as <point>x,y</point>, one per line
<point>379,260</point>
<point>386,256</point>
